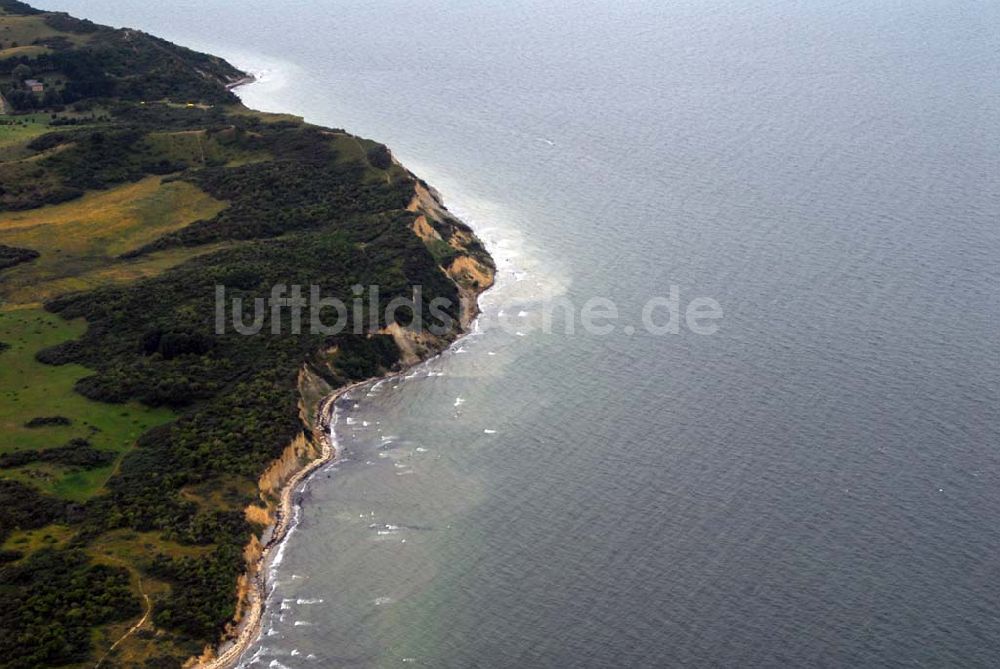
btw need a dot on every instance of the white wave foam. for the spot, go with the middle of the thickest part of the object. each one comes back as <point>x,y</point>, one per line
<point>256,656</point>
<point>279,554</point>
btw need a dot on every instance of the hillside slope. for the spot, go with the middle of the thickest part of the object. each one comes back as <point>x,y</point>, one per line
<point>144,450</point>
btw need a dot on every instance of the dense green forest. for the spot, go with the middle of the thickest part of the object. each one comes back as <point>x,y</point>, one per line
<point>79,60</point>
<point>95,502</point>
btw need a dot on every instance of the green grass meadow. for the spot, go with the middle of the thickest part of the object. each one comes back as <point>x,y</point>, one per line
<point>29,389</point>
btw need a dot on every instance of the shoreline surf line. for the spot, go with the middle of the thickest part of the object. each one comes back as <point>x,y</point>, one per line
<point>230,652</point>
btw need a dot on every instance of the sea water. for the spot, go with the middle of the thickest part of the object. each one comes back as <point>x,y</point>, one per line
<point>815,484</point>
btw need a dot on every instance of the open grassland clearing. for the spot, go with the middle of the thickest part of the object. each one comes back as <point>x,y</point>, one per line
<point>16,130</point>
<point>29,541</point>
<point>29,51</point>
<point>198,148</point>
<point>21,31</point>
<point>30,389</point>
<point>80,242</point>
<point>118,272</point>
<point>19,130</point>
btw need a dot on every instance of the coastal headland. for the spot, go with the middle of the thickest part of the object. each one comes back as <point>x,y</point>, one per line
<point>151,462</point>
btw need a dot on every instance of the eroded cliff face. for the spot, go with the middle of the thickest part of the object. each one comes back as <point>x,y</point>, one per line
<point>414,346</point>
<point>301,451</point>
<point>304,449</point>
<point>252,553</point>
<point>424,202</point>
<point>296,455</point>
<point>472,269</point>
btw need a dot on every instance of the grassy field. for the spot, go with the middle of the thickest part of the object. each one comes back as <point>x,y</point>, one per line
<point>24,30</point>
<point>16,131</point>
<point>29,389</point>
<point>80,241</point>
<point>112,273</point>
<point>196,147</point>
<point>355,149</point>
<point>29,541</point>
<point>29,50</point>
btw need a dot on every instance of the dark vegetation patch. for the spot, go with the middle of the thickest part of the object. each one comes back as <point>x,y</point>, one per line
<point>89,61</point>
<point>17,7</point>
<point>24,508</point>
<point>380,157</point>
<point>12,255</point>
<point>52,600</point>
<point>48,421</point>
<point>443,252</point>
<point>77,453</point>
<point>10,556</point>
<point>305,187</point>
<point>204,601</point>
